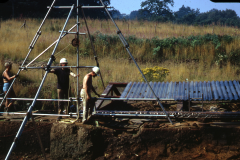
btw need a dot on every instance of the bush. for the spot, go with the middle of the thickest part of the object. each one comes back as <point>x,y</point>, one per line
<point>156,74</point>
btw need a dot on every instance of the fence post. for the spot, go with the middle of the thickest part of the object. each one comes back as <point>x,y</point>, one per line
<point>24,24</point>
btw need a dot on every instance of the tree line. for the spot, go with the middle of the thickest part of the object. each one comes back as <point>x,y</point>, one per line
<point>151,10</point>
<point>158,10</point>
<point>38,8</point>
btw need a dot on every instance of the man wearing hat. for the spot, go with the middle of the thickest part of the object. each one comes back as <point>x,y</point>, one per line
<point>63,83</point>
<point>88,103</point>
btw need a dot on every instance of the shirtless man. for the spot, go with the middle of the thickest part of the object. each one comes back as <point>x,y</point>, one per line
<point>86,95</point>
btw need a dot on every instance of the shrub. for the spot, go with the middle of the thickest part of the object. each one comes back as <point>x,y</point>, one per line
<point>156,74</point>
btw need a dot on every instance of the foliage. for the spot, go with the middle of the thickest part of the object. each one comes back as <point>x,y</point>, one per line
<point>222,17</point>
<point>158,10</point>
<point>184,11</point>
<point>156,74</point>
<point>192,41</point>
<point>234,56</point>
<point>221,56</point>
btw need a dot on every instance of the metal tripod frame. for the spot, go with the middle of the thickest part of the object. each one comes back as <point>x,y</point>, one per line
<point>62,34</point>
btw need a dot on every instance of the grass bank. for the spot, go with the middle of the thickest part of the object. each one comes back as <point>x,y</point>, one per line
<point>198,53</point>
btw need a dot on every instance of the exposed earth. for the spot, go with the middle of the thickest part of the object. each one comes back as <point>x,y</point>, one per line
<point>125,138</point>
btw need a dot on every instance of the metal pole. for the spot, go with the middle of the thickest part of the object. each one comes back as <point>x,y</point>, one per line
<point>42,23</point>
<point>75,99</point>
<point>34,101</point>
<point>57,67</point>
<point>37,35</point>
<point>127,48</point>
<point>74,33</point>
<point>86,7</point>
<point>78,63</point>
<point>49,47</point>
<point>31,99</point>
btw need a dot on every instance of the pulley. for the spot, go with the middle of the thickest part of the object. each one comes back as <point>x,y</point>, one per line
<point>75,42</point>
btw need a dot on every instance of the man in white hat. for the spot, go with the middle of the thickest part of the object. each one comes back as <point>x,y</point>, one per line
<point>63,83</point>
<point>88,104</point>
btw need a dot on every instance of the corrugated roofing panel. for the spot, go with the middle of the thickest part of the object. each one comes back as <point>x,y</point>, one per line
<point>148,90</point>
<point>178,91</point>
<point>191,89</point>
<point>142,91</point>
<point>209,90</point>
<point>124,93</point>
<point>138,90</point>
<point>161,88</point>
<point>232,89</point>
<point>228,91</point>
<point>200,93</point>
<point>186,90</point>
<point>154,89</point>
<point>214,90</point>
<point>224,90</point>
<point>131,90</point>
<point>174,90</point>
<point>236,84</point>
<point>219,89</point>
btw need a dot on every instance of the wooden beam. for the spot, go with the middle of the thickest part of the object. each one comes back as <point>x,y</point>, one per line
<point>105,93</point>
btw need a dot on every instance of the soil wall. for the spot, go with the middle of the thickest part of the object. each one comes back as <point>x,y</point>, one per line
<point>188,140</point>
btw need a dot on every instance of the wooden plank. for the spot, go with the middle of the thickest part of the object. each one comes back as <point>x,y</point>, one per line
<point>117,84</point>
<point>107,90</point>
<point>105,93</point>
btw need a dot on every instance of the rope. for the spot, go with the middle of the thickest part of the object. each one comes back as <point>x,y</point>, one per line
<point>56,53</point>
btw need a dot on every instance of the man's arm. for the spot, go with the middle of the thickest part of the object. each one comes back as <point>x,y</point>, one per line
<point>51,71</point>
<point>73,74</point>
<point>95,92</point>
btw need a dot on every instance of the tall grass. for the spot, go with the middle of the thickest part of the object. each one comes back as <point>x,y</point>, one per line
<point>197,63</point>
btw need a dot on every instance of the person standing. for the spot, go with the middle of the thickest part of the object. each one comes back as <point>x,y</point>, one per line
<point>62,83</point>
<point>88,103</point>
<point>7,80</point>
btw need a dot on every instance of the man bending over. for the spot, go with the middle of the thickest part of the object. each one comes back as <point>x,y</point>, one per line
<point>88,104</point>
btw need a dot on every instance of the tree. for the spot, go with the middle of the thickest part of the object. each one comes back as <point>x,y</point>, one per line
<point>116,14</point>
<point>186,15</point>
<point>183,11</point>
<point>134,15</point>
<point>158,9</point>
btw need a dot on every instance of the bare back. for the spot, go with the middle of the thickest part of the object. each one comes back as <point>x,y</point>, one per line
<point>87,82</point>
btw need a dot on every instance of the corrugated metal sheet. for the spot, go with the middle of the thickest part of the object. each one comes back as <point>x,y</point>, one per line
<point>214,90</point>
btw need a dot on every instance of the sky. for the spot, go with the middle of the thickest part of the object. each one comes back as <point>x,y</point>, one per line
<point>126,6</point>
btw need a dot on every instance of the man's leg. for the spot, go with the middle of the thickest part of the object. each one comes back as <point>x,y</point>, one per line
<point>60,104</point>
<point>90,106</point>
<point>65,96</point>
<point>84,102</point>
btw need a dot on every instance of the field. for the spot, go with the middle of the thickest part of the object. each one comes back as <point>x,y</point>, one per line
<point>196,53</point>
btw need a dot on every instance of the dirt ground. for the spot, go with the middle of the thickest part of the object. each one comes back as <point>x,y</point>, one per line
<point>149,140</point>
